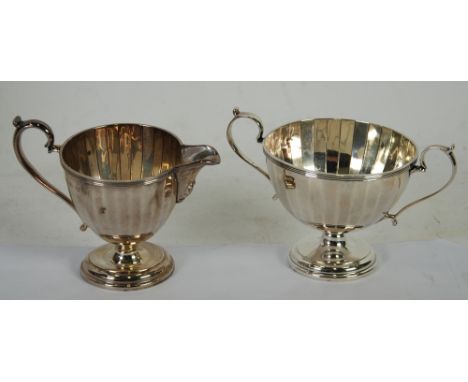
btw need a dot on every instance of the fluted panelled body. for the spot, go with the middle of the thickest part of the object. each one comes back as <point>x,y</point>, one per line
<point>336,173</point>
<point>124,179</point>
<point>334,204</point>
<point>118,213</point>
<point>122,152</point>
<point>340,147</point>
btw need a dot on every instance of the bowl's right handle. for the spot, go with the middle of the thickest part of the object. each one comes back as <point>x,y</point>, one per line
<point>256,119</point>
<point>421,167</point>
<point>21,126</point>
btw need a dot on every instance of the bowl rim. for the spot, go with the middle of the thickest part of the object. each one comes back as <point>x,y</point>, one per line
<point>324,175</point>
<point>114,182</point>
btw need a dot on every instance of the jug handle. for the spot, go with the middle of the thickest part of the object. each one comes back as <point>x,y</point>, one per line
<point>256,119</point>
<point>22,126</point>
<point>421,167</point>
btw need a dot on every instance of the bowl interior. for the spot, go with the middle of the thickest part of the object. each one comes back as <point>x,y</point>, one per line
<point>122,152</point>
<point>340,146</point>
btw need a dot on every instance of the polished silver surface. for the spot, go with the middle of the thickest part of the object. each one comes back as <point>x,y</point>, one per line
<point>338,175</point>
<point>253,117</point>
<point>124,180</point>
<point>20,128</point>
<point>339,148</point>
<point>422,167</point>
<point>332,257</point>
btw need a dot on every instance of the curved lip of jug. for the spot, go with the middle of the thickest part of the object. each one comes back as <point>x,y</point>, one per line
<point>329,176</point>
<point>102,182</point>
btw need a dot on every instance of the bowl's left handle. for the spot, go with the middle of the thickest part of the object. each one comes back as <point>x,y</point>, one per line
<point>20,127</point>
<point>421,167</point>
<point>253,117</point>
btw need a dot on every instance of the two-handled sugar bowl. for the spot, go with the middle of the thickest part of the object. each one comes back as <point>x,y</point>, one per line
<point>124,179</point>
<point>338,175</point>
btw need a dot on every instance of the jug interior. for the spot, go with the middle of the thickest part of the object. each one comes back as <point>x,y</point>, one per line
<point>122,152</point>
<point>340,146</point>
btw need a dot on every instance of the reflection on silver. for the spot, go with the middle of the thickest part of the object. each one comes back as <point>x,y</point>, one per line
<point>339,147</point>
<point>338,175</point>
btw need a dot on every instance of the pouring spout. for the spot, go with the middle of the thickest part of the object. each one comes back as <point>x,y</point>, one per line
<point>194,157</point>
<point>201,154</point>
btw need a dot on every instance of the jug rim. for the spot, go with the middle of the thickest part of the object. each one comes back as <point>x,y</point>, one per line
<point>115,182</point>
<point>330,176</point>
